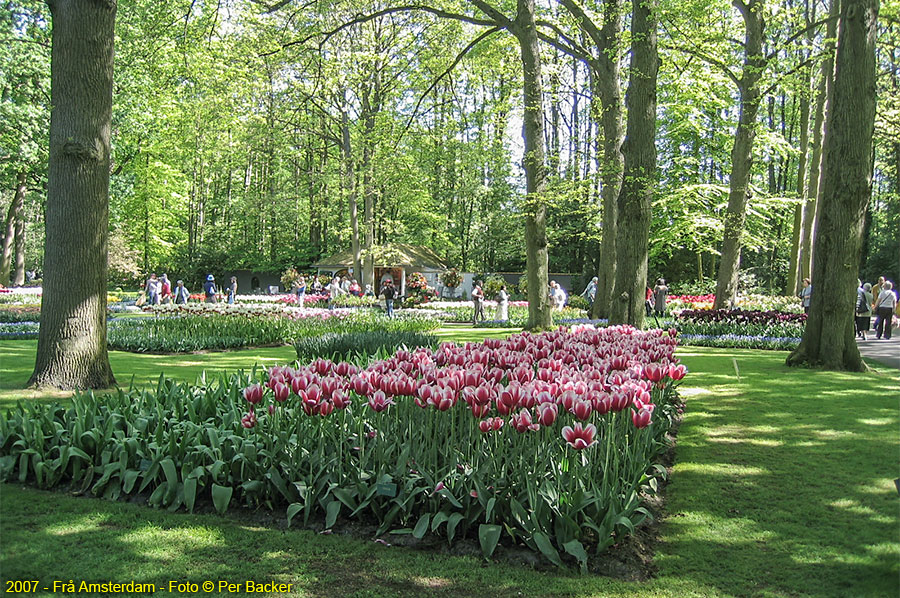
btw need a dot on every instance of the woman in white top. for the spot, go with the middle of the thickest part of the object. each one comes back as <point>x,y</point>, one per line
<point>503,304</point>
<point>885,305</point>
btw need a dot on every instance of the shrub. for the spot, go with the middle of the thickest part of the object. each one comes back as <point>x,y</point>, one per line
<point>345,345</point>
<point>578,302</point>
<point>451,278</point>
<point>492,286</point>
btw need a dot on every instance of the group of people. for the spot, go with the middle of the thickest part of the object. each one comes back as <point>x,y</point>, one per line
<point>478,301</point>
<point>654,299</point>
<point>879,300</point>
<point>159,291</point>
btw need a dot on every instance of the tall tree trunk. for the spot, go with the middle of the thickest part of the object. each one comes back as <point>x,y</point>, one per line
<point>741,153</point>
<point>13,216</point>
<point>71,349</point>
<point>793,282</point>
<point>18,278</point>
<point>536,245</point>
<point>828,338</point>
<point>606,82</point>
<point>815,173</point>
<point>639,150</point>
<point>348,186</point>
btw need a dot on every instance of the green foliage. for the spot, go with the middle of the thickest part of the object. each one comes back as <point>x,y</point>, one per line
<point>343,345</point>
<point>492,286</point>
<point>177,334</point>
<point>289,277</point>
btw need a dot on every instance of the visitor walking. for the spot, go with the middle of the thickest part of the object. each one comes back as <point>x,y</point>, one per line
<point>648,301</point>
<point>876,290</point>
<point>885,306</point>
<point>864,302</point>
<point>478,301</point>
<point>300,290</point>
<point>209,289</point>
<point>660,296</point>
<point>355,289</point>
<point>181,293</point>
<point>389,292</point>
<point>590,291</point>
<point>232,291</point>
<point>503,304</point>
<point>165,292</point>
<point>333,290</point>
<point>805,294</point>
<point>152,290</point>
<point>558,296</point>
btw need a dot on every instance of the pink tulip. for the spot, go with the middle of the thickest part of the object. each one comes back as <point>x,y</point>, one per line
<point>253,394</point>
<point>546,413</point>
<point>654,372</point>
<point>641,417</point>
<point>582,410</point>
<point>249,420</point>
<point>579,437</point>
<point>479,410</point>
<point>272,409</point>
<point>282,392</point>
<point>677,372</point>
<point>522,422</point>
<point>325,408</point>
<point>340,398</point>
<point>379,402</point>
<point>313,394</point>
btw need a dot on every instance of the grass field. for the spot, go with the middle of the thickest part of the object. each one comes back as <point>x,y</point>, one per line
<point>782,487</point>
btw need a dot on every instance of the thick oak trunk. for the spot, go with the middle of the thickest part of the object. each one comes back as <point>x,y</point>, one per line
<point>793,281</point>
<point>741,162</point>
<point>72,340</point>
<point>828,338</point>
<point>639,150</point>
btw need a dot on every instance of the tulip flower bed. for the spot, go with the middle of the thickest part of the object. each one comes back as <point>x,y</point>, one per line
<point>742,317</point>
<point>242,328</point>
<point>545,441</point>
<point>751,302</point>
<point>349,344</point>
<point>25,313</point>
<point>740,329</point>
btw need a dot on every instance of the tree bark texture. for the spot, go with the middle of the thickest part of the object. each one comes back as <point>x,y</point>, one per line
<point>793,282</point>
<point>15,215</point>
<point>72,340</point>
<point>828,338</point>
<point>606,81</point>
<point>350,189</point>
<point>536,244</point>
<point>639,150</point>
<point>741,161</point>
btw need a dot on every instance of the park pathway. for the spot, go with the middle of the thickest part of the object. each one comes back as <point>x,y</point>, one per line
<point>886,352</point>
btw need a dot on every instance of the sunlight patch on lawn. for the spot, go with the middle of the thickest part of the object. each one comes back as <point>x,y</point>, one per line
<point>727,469</point>
<point>881,421</point>
<point>88,523</point>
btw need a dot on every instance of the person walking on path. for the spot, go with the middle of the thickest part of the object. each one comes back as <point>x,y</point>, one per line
<point>333,290</point>
<point>503,304</point>
<point>885,305</point>
<point>389,292</point>
<point>209,289</point>
<point>863,310</point>
<point>876,290</point>
<point>590,291</point>
<point>660,295</point>
<point>181,293</point>
<point>805,294</point>
<point>152,289</point>
<point>300,290</point>
<point>232,290</point>
<point>165,289</point>
<point>558,296</point>
<point>478,301</point>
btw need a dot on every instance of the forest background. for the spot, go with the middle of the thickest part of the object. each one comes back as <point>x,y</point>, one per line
<point>244,135</point>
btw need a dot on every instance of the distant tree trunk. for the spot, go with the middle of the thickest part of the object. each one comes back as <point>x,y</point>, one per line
<point>349,187</point>
<point>71,349</point>
<point>741,161</point>
<point>18,278</point>
<point>828,338</point>
<point>639,150</point>
<point>12,217</point>
<point>536,244</point>
<point>793,281</point>
<point>823,94</point>
<point>606,81</point>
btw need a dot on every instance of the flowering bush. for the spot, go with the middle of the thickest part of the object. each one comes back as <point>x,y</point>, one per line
<point>289,277</point>
<point>417,291</point>
<point>538,440</point>
<point>451,278</point>
<point>741,316</point>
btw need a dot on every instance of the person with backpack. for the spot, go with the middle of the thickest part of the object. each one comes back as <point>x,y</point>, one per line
<point>388,292</point>
<point>209,289</point>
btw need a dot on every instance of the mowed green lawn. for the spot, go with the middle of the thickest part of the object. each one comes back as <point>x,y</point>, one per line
<point>783,487</point>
